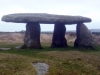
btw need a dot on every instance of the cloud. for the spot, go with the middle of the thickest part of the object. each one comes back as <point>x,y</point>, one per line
<point>95,15</point>
<point>87,8</point>
<point>16,9</point>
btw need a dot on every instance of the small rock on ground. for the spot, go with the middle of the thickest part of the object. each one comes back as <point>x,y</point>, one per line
<point>5,49</point>
<point>18,47</point>
<point>42,68</point>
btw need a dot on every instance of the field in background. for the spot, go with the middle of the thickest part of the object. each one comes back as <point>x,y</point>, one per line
<point>46,37</point>
<point>17,37</point>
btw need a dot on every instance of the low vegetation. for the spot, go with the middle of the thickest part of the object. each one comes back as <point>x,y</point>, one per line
<point>62,61</point>
<point>11,64</point>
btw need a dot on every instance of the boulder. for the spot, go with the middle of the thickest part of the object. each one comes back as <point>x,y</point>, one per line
<point>59,39</point>
<point>44,18</point>
<point>32,36</point>
<point>84,37</point>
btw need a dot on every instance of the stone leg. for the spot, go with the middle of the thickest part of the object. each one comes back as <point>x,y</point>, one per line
<point>58,39</point>
<point>84,37</point>
<point>32,36</point>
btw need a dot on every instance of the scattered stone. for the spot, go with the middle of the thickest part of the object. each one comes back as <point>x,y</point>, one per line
<point>5,49</point>
<point>84,37</point>
<point>42,68</point>
<point>59,39</point>
<point>18,47</point>
<point>44,18</point>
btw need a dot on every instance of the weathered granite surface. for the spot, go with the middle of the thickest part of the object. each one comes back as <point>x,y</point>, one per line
<point>32,36</point>
<point>44,18</point>
<point>42,68</point>
<point>84,37</point>
<point>59,39</point>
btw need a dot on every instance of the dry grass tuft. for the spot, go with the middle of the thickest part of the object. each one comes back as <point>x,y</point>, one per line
<point>46,38</point>
<point>11,37</point>
<point>96,39</point>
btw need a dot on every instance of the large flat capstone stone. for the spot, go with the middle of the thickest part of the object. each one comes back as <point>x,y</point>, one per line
<point>44,18</point>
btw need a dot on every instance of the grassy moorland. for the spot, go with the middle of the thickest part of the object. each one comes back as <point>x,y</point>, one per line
<point>62,61</point>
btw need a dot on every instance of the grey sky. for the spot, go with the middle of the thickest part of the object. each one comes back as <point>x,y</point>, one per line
<point>88,8</point>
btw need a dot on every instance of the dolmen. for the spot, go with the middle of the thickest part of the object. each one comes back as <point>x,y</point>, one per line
<point>33,21</point>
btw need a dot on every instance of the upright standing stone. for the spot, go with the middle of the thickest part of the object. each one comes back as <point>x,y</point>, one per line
<point>84,37</point>
<point>32,36</point>
<point>58,39</point>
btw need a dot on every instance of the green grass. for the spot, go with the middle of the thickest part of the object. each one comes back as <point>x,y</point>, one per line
<point>62,61</point>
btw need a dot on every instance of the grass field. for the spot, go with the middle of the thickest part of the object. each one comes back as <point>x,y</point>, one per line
<point>62,61</point>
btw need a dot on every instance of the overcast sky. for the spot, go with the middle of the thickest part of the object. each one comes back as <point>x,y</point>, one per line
<point>87,8</point>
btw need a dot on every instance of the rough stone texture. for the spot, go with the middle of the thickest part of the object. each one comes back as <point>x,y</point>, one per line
<point>58,39</point>
<point>44,18</point>
<point>42,68</point>
<point>84,37</point>
<point>32,36</point>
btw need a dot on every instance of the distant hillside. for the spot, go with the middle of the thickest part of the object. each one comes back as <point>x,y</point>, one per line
<point>95,30</point>
<point>92,30</point>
